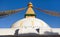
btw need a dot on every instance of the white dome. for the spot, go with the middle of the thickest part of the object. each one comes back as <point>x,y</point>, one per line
<point>30,23</point>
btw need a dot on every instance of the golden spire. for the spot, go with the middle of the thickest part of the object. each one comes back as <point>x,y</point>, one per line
<point>30,12</point>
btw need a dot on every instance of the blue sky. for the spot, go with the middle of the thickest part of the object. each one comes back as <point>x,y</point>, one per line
<point>53,5</point>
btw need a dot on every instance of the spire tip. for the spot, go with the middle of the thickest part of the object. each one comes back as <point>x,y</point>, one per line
<point>30,5</point>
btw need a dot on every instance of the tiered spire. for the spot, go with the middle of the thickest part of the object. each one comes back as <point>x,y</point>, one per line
<point>30,12</point>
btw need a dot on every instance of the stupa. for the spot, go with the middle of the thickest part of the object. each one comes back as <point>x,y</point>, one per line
<point>30,24</point>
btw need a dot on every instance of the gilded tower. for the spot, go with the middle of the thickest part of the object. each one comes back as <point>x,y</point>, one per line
<point>30,12</point>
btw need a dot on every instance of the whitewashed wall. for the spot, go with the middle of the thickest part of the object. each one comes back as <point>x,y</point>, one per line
<point>7,31</point>
<point>56,30</point>
<point>11,31</point>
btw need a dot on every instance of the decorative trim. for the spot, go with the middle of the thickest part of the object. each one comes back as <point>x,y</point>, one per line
<point>30,15</point>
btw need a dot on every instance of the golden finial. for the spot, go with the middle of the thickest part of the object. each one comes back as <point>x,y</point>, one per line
<point>30,4</point>
<point>30,12</point>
